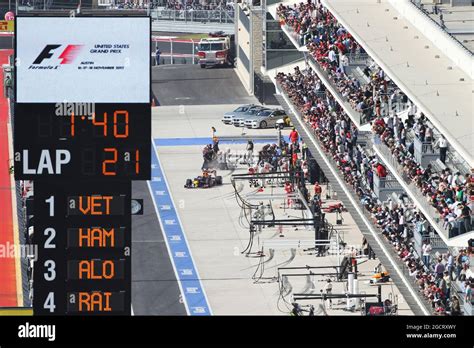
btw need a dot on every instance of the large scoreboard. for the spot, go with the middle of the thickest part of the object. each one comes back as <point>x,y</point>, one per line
<point>82,133</point>
<point>110,142</point>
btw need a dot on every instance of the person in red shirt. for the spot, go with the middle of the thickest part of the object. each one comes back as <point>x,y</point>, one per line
<point>294,159</point>
<point>341,47</point>
<point>381,171</point>
<point>379,125</point>
<point>317,190</point>
<point>294,136</point>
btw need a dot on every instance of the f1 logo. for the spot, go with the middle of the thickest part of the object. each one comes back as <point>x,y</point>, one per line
<point>45,53</point>
<point>67,56</point>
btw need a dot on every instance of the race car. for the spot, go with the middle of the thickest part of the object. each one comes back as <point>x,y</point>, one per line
<point>336,207</point>
<point>209,178</point>
<point>381,277</point>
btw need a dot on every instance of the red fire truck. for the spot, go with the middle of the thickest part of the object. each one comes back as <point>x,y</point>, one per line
<point>215,51</point>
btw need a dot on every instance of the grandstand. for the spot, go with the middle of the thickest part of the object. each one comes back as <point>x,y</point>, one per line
<point>383,84</point>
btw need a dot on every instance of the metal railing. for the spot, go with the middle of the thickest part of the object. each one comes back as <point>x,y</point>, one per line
<point>387,182</point>
<point>436,242</point>
<point>424,147</point>
<point>170,56</point>
<point>358,58</point>
<point>427,14</point>
<point>414,190</point>
<point>191,15</point>
<point>358,117</point>
<point>295,36</point>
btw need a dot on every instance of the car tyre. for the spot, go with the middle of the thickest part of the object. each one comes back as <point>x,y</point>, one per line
<point>263,124</point>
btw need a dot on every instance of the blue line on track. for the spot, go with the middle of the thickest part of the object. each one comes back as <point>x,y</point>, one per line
<point>190,284</point>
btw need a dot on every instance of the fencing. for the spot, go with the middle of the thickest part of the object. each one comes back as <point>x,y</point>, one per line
<point>174,50</point>
<point>191,15</point>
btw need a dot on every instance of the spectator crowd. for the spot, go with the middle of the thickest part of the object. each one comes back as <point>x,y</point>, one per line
<point>179,5</point>
<point>199,5</point>
<point>397,221</point>
<point>448,190</point>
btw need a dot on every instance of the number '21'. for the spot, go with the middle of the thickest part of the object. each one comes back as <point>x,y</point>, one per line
<point>113,160</point>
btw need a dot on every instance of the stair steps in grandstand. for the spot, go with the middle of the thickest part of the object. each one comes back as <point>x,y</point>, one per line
<point>450,164</point>
<point>363,138</point>
<point>438,166</point>
<point>458,162</point>
<point>359,221</point>
<point>456,289</point>
<point>403,114</point>
<point>369,151</point>
<point>453,161</point>
<point>356,71</point>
